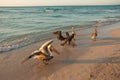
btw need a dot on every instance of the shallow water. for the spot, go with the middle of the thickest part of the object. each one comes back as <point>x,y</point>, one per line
<point>21,26</point>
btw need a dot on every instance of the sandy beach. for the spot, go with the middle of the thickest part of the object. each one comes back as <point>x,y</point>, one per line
<point>86,61</point>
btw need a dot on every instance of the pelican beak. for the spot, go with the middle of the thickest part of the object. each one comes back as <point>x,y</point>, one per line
<point>25,60</point>
<point>53,49</point>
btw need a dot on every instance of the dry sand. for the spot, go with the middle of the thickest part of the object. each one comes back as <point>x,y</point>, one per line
<point>86,61</point>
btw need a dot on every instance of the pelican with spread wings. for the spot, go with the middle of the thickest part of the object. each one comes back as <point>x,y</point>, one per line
<point>44,53</point>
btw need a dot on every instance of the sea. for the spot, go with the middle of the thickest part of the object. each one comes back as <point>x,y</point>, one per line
<point>23,26</point>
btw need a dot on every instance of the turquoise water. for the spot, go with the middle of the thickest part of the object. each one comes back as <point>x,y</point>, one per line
<point>21,26</point>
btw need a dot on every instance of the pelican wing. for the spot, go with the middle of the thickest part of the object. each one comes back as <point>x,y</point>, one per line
<point>29,57</point>
<point>44,48</point>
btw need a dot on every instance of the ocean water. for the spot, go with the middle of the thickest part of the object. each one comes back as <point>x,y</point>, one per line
<point>21,26</point>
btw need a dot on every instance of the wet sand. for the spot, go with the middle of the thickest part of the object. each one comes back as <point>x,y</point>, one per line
<point>85,61</point>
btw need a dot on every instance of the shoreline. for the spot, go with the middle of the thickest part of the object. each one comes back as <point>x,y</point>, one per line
<point>75,63</point>
<point>106,26</point>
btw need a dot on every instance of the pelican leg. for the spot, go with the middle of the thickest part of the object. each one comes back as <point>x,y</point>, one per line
<point>45,62</point>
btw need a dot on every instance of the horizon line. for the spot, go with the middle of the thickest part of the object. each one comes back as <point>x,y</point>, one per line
<point>58,5</point>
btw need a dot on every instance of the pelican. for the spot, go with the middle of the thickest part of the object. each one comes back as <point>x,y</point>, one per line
<point>73,31</point>
<point>94,34</point>
<point>44,53</point>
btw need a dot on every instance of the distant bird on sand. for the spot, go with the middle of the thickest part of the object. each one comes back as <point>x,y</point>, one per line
<point>64,40</point>
<point>94,34</point>
<point>68,39</point>
<point>44,53</point>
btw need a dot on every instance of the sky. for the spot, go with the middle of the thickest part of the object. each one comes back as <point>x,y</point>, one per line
<point>57,2</point>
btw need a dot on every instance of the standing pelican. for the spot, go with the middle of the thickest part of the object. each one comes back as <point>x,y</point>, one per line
<point>94,34</point>
<point>44,53</point>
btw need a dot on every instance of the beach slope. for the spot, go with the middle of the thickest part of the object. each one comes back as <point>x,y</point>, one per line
<point>86,61</point>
